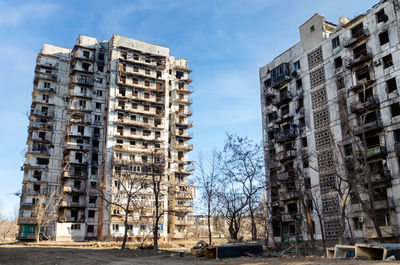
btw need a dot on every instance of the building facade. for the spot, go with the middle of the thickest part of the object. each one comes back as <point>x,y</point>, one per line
<point>98,110</point>
<point>327,102</point>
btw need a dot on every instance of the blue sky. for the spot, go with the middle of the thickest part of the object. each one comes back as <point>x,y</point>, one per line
<point>225,42</point>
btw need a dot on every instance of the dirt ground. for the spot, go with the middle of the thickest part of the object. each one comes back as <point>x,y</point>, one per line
<point>31,254</point>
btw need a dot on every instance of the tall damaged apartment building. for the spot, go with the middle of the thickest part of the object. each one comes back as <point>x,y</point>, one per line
<point>331,128</point>
<point>97,110</point>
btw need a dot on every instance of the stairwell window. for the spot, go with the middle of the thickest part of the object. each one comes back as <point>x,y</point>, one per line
<point>335,43</point>
<point>338,62</point>
<point>381,16</point>
<point>383,38</point>
<point>391,85</point>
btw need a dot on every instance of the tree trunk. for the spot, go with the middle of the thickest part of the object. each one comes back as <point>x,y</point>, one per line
<point>37,234</point>
<point>342,224</point>
<point>209,222</point>
<point>155,228</point>
<point>373,216</point>
<point>126,225</point>
<point>321,226</point>
<point>253,225</point>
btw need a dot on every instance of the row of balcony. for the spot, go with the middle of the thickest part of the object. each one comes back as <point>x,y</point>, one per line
<point>370,102</point>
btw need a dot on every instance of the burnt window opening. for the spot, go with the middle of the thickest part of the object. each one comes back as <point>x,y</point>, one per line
<point>301,103</point>
<point>77,184</point>
<point>37,175</point>
<point>36,187</point>
<point>96,131</point>
<point>387,61</point>
<point>123,79</point>
<point>370,117</point>
<point>121,91</point>
<point>91,213</point>
<point>299,84</point>
<point>292,208</point>
<point>100,68</point>
<point>396,136</point>
<point>90,228</point>
<point>340,82</point>
<point>383,38</point>
<point>395,109</point>
<point>302,122</point>
<point>78,156</point>
<point>124,55</point>
<point>381,16</point>
<point>363,96</point>
<point>75,198</point>
<point>179,74</point>
<point>357,31</point>
<point>95,157</point>
<point>86,54</point>
<point>101,56</point>
<point>85,66</point>
<point>304,142</point>
<point>268,100</point>
<point>267,83</point>
<point>95,170</point>
<point>306,163</point>
<point>285,110</point>
<point>357,223</point>
<point>338,62</point>
<point>92,199</point>
<point>360,51</point>
<point>363,73</point>
<point>391,85</point>
<point>372,141</point>
<point>312,28</point>
<point>42,161</point>
<point>335,43</point>
<point>348,150</point>
<point>158,74</point>
<point>42,136</point>
<point>271,135</point>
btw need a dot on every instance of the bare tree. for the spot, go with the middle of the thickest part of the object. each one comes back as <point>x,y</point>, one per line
<point>243,162</point>
<point>124,193</point>
<point>45,211</point>
<point>208,182</point>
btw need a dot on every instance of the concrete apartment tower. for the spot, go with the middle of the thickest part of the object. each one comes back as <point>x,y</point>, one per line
<point>334,91</point>
<point>97,110</point>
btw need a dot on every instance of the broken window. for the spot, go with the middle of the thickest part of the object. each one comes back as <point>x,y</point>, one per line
<point>296,65</point>
<point>91,213</point>
<point>75,198</point>
<point>304,142</point>
<point>90,228</point>
<point>396,136</point>
<point>146,95</point>
<point>37,175</point>
<point>340,82</point>
<point>124,55</point>
<point>123,79</point>
<point>101,56</point>
<point>158,74</point>
<point>383,37</point>
<point>133,130</point>
<point>81,129</point>
<point>98,105</point>
<point>42,161</point>
<point>146,107</point>
<point>312,28</point>
<point>85,66</point>
<point>338,62</point>
<point>92,199</point>
<point>348,150</point>
<point>46,84</point>
<point>395,109</point>
<point>95,157</point>
<point>382,217</point>
<point>146,132</point>
<point>363,74</point>
<point>134,105</point>
<point>364,95</point>
<point>179,74</point>
<point>146,82</point>
<point>78,156</point>
<point>75,226</point>
<point>387,61</point>
<point>96,131</point>
<point>381,16</point>
<point>299,83</point>
<point>335,42</point>
<point>147,59</point>
<point>267,83</point>
<point>147,71</point>
<point>360,51</point>
<point>86,54</point>
<point>357,223</point>
<point>391,85</point>
<point>271,135</point>
<point>357,31</point>
<point>36,187</point>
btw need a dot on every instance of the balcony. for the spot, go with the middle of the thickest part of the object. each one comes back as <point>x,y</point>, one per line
<point>183,147</point>
<point>72,189</point>
<point>283,98</point>
<point>80,175</point>
<point>285,135</point>
<point>184,192</point>
<point>80,147</point>
<point>73,204</point>
<point>184,222</point>
<point>44,150</point>
<point>40,125</point>
<point>280,75</point>
<point>361,35</point>
<point>83,80</point>
<point>40,113</point>
<point>376,151</point>
<point>45,76</point>
<point>289,217</point>
<point>286,176</point>
<point>358,107</point>
<point>363,84</point>
<point>285,155</point>
<point>289,195</point>
<point>360,59</point>
<point>188,208</point>
<point>370,126</point>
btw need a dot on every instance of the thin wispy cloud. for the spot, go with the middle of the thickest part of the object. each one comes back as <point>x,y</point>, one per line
<point>15,14</point>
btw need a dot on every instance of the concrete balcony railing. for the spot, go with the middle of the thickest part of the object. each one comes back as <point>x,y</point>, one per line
<point>45,76</point>
<point>183,147</point>
<point>370,102</point>
<point>38,112</point>
<point>184,222</point>
<point>184,208</point>
<point>360,59</point>
<point>73,204</point>
<point>286,176</point>
<point>184,192</point>
<point>289,195</point>
<point>376,151</point>
<point>370,126</point>
<point>285,155</point>
<point>286,135</point>
<point>361,35</point>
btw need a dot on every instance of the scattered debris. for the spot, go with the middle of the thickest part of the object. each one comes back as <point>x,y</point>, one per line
<point>391,258</point>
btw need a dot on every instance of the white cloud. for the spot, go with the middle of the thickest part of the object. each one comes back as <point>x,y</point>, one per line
<point>11,15</point>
